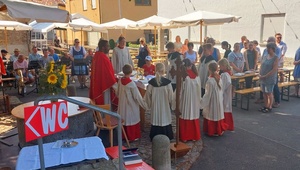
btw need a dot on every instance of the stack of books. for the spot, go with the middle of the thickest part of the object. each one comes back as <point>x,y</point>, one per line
<point>131,156</point>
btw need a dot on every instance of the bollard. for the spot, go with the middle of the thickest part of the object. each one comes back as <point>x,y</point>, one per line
<point>161,155</point>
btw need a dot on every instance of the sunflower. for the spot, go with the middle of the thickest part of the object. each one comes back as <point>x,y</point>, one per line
<point>52,79</point>
<point>63,70</point>
<point>51,67</point>
<point>64,84</point>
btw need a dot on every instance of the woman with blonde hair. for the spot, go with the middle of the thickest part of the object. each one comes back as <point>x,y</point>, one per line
<point>227,92</point>
<point>185,46</point>
<point>159,97</point>
<point>212,104</point>
<point>143,52</point>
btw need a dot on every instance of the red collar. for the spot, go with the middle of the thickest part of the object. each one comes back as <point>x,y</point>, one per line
<point>191,74</point>
<point>125,80</point>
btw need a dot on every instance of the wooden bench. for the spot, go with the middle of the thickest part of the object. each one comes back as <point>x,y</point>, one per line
<point>285,89</point>
<point>285,92</point>
<point>246,93</point>
<point>254,80</point>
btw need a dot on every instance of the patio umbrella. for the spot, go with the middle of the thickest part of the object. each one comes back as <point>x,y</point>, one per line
<point>12,25</point>
<point>151,23</point>
<point>45,27</point>
<point>26,11</point>
<point>82,24</point>
<point>118,24</point>
<point>203,18</point>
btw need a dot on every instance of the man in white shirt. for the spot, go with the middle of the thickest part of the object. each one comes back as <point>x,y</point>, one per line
<point>121,56</point>
<point>15,56</point>
<point>283,47</point>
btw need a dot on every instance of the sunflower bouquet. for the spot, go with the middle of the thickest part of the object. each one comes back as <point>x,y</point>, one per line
<point>53,79</point>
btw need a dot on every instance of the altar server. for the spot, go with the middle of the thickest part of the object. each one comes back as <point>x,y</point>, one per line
<point>227,92</point>
<point>190,97</point>
<point>129,101</point>
<point>159,97</point>
<point>212,104</point>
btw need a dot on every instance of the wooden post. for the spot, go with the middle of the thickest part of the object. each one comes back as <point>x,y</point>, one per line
<point>155,45</point>
<point>5,32</point>
<point>201,24</point>
<point>178,148</point>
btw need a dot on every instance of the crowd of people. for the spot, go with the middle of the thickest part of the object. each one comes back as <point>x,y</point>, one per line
<point>207,88</point>
<point>77,59</point>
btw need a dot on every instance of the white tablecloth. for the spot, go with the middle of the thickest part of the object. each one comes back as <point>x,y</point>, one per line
<point>87,149</point>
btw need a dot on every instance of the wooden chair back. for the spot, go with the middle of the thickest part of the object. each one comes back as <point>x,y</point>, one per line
<point>103,123</point>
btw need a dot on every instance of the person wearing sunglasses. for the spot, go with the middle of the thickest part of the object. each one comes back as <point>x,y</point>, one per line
<point>79,67</point>
<point>283,47</point>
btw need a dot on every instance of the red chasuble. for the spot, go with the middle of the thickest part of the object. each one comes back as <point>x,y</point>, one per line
<point>102,77</point>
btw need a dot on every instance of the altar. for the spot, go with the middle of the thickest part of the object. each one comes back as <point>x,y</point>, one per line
<point>80,122</point>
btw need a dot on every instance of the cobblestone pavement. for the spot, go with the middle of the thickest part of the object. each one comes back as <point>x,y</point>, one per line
<point>145,148</point>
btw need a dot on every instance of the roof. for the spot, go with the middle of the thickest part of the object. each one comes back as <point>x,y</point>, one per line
<point>48,2</point>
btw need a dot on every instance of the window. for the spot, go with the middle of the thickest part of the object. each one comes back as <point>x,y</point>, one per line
<point>270,25</point>
<point>143,2</point>
<point>84,5</point>
<point>94,4</point>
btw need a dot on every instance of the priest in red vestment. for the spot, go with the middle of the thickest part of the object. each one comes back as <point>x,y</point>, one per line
<point>102,75</point>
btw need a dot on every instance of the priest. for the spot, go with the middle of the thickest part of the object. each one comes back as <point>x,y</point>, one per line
<point>102,75</point>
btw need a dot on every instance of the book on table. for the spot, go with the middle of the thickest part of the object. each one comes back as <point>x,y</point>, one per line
<point>132,160</point>
<point>131,156</point>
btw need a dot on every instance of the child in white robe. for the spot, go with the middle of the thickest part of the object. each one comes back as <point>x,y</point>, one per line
<point>129,101</point>
<point>190,97</point>
<point>212,104</point>
<point>227,92</point>
<point>159,97</point>
<point>205,60</point>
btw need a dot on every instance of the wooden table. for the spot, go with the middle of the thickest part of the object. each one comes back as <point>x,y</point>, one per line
<point>80,122</point>
<point>237,79</point>
<point>286,70</point>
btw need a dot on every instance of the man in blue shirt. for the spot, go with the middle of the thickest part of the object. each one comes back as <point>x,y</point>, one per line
<point>34,56</point>
<point>53,54</point>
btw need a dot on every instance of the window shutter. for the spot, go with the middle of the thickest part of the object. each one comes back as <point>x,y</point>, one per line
<point>94,4</point>
<point>84,5</point>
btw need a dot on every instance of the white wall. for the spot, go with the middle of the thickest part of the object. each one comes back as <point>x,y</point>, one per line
<point>249,25</point>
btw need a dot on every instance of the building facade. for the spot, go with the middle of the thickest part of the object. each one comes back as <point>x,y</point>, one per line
<point>131,9</point>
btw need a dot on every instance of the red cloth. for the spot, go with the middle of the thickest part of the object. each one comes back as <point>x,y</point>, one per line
<point>191,74</point>
<point>212,128</point>
<point>2,70</point>
<point>125,80</point>
<point>229,120</point>
<point>102,77</point>
<point>133,132</point>
<point>149,70</point>
<point>189,129</point>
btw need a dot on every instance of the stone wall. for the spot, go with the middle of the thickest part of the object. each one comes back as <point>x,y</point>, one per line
<point>16,39</point>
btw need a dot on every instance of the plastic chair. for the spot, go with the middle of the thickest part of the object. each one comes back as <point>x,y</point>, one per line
<point>107,122</point>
